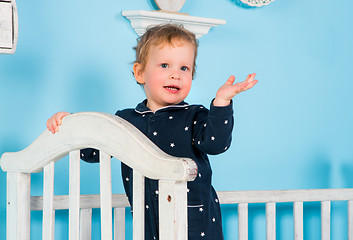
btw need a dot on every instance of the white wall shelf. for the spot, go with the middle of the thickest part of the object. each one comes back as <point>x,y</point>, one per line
<point>141,19</point>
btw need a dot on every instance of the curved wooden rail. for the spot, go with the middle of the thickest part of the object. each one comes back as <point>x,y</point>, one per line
<point>105,132</point>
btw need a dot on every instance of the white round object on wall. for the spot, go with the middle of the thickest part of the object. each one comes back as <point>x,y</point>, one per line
<point>170,5</point>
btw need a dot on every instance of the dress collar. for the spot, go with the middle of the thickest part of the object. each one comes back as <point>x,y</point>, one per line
<point>143,109</point>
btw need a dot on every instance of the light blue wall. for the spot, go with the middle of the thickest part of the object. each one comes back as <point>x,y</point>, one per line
<point>293,130</point>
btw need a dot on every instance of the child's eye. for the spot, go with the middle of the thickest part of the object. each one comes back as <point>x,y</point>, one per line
<point>184,68</point>
<point>164,65</point>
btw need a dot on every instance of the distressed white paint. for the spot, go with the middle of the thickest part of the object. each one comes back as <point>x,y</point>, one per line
<point>305,195</point>
<point>18,206</point>
<point>350,220</point>
<point>8,26</point>
<point>298,220</point>
<point>243,221</point>
<point>172,173</point>
<point>271,221</point>
<point>172,210</point>
<point>5,25</point>
<point>48,224</point>
<point>87,201</point>
<point>74,195</point>
<point>114,136</point>
<point>138,206</point>
<point>106,196</point>
<point>119,223</point>
<point>86,224</point>
<point>325,220</point>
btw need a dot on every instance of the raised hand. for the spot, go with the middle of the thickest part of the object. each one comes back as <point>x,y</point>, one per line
<point>227,91</point>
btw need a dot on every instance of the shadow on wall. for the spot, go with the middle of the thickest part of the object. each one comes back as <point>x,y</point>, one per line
<point>347,174</point>
<point>241,4</point>
<point>318,172</point>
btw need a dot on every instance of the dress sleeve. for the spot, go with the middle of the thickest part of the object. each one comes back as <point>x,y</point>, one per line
<point>89,155</point>
<point>212,132</point>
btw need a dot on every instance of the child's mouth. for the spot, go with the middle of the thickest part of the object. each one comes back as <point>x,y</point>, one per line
<point>172,88</point>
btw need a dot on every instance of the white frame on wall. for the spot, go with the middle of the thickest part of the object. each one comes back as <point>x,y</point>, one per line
<point>8,26</point>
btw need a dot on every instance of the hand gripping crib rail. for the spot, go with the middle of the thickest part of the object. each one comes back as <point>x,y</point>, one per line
<point>114,136</point>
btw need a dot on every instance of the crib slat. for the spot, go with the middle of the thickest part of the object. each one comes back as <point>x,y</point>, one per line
<point>18,206</point>
<point>325,220</point>
<point>243,221</point>
<point>172,210</point>
<point>138,206</point>
<point>350,220</point>
<point>106,196</point>
<point>48,202</point>
<point>298,220</point>
<point>86,224</point>
<point>119,223</point>
<point>271,221</point>
<point>74,195</point>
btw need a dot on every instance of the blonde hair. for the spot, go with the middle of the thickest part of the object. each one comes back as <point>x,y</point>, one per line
<point>162,34</point>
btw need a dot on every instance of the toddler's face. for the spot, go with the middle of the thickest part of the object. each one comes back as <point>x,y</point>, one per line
<point>167,76</point>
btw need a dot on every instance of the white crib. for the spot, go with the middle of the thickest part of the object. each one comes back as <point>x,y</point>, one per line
<point>114,136</point>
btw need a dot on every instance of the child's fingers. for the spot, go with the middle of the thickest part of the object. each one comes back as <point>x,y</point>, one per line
<point>251,77</point>
<point>250,85</point>
<point>50,125</point>
<point>230,80</point>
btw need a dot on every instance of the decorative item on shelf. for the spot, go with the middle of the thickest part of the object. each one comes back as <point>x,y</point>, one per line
<point>168,13</point>
<point>256,3</point>
<point>170,5</point>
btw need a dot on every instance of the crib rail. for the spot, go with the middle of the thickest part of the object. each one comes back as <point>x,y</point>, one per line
<point>297,197</point>
<point>113,136</point>
<point>241,198</point>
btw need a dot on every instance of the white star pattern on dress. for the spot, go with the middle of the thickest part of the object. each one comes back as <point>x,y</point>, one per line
<point>216,200</point>
<point>186,128</point>
<point>226,122</point>
<point>171,117</point>
<point>213,138</point>
<point>195,122</point>
<point>205,125</point>
<point>201,209</point>
<point>201,107</point>
<point>143,115</point>
<point>203,234</point>
<point>213,220</point>
<point>187,190</point>
<point>127,179</point>
<point>94,153</point>
<point>198,142</point>
<point>157,192</point>
<point>147,207</point>
<point>172,145</point>
<point>155,133</point>
<point>199,174</point>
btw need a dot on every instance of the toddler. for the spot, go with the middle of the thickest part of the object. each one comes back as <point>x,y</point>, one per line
<point>165,67</point>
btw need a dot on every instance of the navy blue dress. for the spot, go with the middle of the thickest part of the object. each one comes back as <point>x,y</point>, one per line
<point>182,130</point>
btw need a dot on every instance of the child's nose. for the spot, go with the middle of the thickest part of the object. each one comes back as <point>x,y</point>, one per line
<point>175,75</point>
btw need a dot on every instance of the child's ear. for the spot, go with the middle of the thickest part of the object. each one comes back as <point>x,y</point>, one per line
<point>138,73</point>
